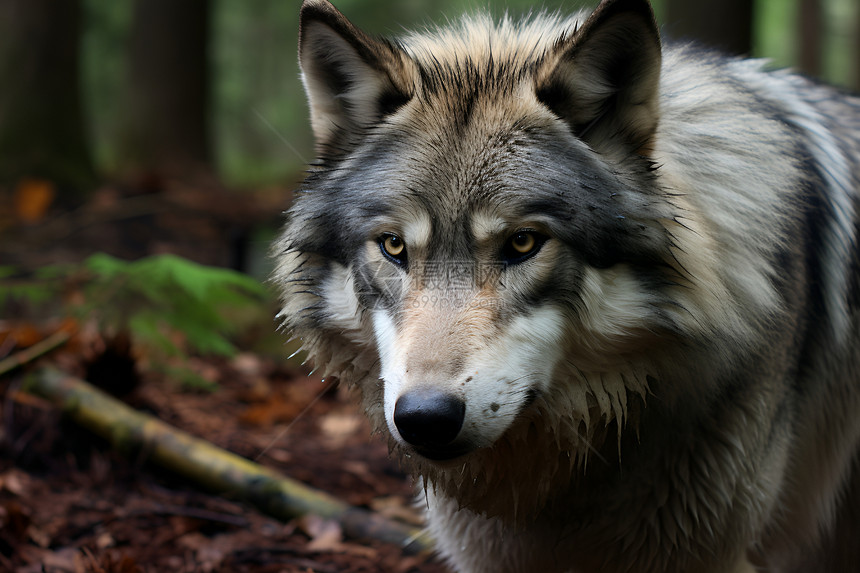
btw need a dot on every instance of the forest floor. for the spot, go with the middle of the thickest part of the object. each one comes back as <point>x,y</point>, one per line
<point>71,504</point>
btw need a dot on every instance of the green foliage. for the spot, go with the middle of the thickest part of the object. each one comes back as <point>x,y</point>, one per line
<point>36,290</point>
<point>185,377</point>
<point>167,291</point>
<point>168,305</point>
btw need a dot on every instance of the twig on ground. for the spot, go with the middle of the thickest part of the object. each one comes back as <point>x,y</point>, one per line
<point>33,352</point>
<point>209,466</point>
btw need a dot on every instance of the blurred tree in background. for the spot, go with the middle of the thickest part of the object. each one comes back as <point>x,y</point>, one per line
<point>726,25</point>
<point>810,29</point>
<point>165,122</point>
<point>214,84</point>
<point>42,129</point>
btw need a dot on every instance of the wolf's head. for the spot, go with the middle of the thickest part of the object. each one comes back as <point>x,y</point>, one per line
<point>484,244</point>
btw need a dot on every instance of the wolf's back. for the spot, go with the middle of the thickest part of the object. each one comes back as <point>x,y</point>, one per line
<point>769,161</point>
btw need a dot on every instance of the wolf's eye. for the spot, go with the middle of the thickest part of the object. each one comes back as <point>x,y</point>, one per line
<point>393,248</point>
<point>522,245</point>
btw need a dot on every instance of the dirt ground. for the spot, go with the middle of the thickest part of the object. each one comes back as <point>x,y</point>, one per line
<point>70,504</point>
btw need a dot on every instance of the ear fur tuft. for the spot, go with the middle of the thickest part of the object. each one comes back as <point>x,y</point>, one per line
<point>603,80</point>
<point>352,80</point>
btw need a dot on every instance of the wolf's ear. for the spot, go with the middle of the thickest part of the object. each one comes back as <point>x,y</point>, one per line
<point>603,79</point>
<point>351,79</point>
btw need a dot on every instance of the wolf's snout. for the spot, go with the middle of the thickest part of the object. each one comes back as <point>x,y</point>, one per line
<point>429,419</point>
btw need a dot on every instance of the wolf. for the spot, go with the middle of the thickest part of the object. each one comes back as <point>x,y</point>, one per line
<point>599,291</point>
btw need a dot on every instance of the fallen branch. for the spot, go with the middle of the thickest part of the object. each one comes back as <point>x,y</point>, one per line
<point>33,352</point>
<point>216,469</point>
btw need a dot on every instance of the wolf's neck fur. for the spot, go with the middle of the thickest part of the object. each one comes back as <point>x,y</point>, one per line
<point>498,481</point>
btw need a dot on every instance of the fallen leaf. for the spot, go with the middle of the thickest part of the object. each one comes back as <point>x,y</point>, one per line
<point>274,410</point>
<point>88,562</point>
<point>337,428</point>
<point>15,482</point>
<point>396,507</point>
<point>33,198</point>
<point>105,540</point>
<point>325,534</point>
<point>61,560</point>
<point>279,455</point>
<point>24,399</point>
<point>39,536</point>
<point>24,335</point>
<point>14,520</point>
<point>248,364</point>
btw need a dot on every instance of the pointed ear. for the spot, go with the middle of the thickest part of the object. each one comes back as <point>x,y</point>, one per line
<point>352,80</point>
<point>603,80</point>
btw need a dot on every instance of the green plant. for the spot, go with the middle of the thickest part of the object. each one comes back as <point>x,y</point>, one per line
<point>167,305</point>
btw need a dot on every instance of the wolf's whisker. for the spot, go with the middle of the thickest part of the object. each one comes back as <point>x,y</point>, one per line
<point>286,429</point>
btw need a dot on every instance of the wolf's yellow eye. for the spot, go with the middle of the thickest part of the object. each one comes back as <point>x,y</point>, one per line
<point>522,245</point>
<point>393,247</point>
<point>523,242</point>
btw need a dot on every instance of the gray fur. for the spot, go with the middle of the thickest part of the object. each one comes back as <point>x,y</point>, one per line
<point>669,381</point>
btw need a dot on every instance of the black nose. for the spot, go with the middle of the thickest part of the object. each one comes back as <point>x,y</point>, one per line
<point>429,418</point>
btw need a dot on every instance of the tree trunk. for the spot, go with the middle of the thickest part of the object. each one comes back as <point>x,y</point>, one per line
<point>722,24</point>
<point>165,128</point>
<point>856,80</point>
<point>41,119</point>
<point>810,25</point>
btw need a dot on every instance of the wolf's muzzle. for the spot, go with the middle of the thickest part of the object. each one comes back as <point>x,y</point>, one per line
<point>430,420</point>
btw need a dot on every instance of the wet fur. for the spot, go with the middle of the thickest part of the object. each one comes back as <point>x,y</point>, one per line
<point>671,384</point>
